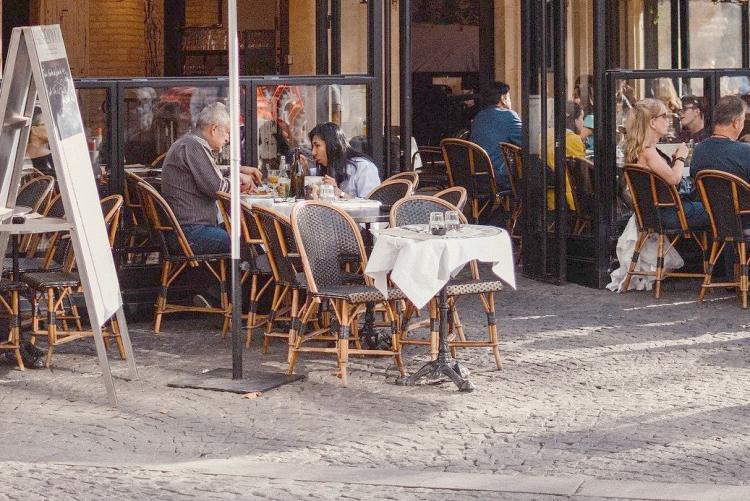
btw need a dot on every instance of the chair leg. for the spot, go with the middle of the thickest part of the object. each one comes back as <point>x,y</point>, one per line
<point>275,305</point>
<point>161,299</point>
<point>709,270</point>
<point>118,339</point>
<point>343,343</point>
<point>659,266</point>
<point>634,260</point>
<point>492,329</point>
<point>743,273</point>
<point>15,330</point>
<point>252,307</point>
<point>51,326</point>
<point>226,304</point>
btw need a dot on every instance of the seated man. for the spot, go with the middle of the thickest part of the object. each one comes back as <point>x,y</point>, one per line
<point>495,124</point>
<point>721,150</point>
<point>191,178</point>
<point>692,120</point>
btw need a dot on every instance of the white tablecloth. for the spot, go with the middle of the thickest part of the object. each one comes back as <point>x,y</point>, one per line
<point>285,207</point>
<point>421,264</point>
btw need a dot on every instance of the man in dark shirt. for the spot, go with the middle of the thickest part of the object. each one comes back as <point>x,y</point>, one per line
<point>721,151</point>
<point>191,178</point>
<point>692,120</point>
<point>495,124</point>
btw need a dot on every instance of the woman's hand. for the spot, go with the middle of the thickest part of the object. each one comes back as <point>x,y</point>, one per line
<point>336,190</point>
<point>681,151</point>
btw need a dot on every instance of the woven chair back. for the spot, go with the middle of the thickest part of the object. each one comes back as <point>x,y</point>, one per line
<point>726,198</point>
<point>512,155</point>
<point>163,223</point>
<point>581,176</point>
<point>650,193</point>
<point>35,193</point>
<point>470,167</point>
<point>454,196</point>
<point>391,191</point>
<point>278,238</point>
<point>417,209</point>
<point>410,176</point>
<point>327,239</point>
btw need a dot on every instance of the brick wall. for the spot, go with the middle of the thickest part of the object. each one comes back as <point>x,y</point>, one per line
<point>117,38</point>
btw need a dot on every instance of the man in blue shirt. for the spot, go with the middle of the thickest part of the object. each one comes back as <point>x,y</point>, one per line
<point>495,124</point>
<point>721,150</point>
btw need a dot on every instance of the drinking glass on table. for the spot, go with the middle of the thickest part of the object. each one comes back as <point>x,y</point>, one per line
<point>282,187</point>
<point>452,222</point>
<point>437,223</point>
<point>326,193</point>
<point>273,178</point>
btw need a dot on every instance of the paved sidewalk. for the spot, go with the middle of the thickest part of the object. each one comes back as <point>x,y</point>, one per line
<point>595,387</point>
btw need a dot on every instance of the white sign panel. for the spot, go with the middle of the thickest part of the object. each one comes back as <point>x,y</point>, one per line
<point>75,176</point>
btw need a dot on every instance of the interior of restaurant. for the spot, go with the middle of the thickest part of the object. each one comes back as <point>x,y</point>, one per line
<point>144,67</point>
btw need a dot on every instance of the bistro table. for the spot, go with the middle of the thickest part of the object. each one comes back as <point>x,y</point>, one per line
<point>421,265</point>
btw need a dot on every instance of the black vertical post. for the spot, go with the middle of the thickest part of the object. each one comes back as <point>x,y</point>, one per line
<point>174,22</point>
<point>674,14</point>
<point>387,84</point>
<point>684,34</point>
<point>486,42</point>
<point>560,89</point>
<point>284,36</point>
<point>405,83</point>
<point>745,38</point>
<point>605,174</point>
<point>321,37</point>
<point>335,37</point>
<point>375,70</point>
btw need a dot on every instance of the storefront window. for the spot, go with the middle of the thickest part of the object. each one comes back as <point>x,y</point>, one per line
<point>95,116</point>
<point>286,113</point>
<point>715,34</point>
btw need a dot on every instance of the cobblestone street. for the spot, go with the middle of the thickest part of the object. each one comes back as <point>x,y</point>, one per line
<point>596,387</point>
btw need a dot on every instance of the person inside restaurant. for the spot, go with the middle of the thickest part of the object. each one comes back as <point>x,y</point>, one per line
<point>574,147</point>
<point>191,178</point>
<point>646,124</point>
<point>351,173</point>
<point>692,122</point>
<point>495,124</point>
<point>38,147</point>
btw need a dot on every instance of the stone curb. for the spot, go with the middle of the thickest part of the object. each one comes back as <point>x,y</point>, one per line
<point>575,487</point>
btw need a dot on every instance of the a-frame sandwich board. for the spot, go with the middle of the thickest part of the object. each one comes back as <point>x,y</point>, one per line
<point>37,69</point>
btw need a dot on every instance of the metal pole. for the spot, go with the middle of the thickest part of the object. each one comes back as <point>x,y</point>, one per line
<point>234,169</point>
<point>405,83</point>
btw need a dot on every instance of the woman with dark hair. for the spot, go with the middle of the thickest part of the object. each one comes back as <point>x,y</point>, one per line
<point>352,174</point>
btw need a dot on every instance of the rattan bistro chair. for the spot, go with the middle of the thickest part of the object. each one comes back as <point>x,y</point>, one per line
<point>470,167</point>
<point>177,256</point>
<point>410,176</point>
<point>416,210</point>
<point>36,193</point>
<point>9,304</point>
<point>455,196</point>
<point>62,290</point>
<point>327,238</point>
<point>651,193</point>
<point>726,198</point>
<point>581,175</point>
<point>255,264</point>
<point>512,155</point>
<point>391,191</point>
<point>290,284</point>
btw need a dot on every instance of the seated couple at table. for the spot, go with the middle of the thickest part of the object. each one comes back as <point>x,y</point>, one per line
<point>191,178</point>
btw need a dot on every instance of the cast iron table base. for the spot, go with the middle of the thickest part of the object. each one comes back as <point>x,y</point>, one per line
<point>444,365</point>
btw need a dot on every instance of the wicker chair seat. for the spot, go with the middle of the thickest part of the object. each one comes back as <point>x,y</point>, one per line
<point>10,285</point>
<point>357,294</point>
<point>199,257</point>
<point>257,264</point>
<point>471,286</point>
<point>44,280</point>
<point>29,264</point>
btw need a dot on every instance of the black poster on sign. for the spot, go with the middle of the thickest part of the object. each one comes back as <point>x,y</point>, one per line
<point>62,98</point>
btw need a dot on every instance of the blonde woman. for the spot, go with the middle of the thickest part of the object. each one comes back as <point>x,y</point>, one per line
<point>646,124</point>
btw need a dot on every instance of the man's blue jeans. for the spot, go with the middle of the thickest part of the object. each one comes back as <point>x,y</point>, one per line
<point>207,239</point>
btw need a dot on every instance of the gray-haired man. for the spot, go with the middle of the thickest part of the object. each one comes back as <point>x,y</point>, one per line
<point>191,178</point>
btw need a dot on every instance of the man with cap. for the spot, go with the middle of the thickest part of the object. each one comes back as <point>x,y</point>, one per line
<point>692,120</point>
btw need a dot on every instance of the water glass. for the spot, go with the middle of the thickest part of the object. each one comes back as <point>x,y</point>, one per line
<point>452,221</point>
<point>437,223</point>
<point>273,178</point>
<point>282,188</point>
<point>327,193</point>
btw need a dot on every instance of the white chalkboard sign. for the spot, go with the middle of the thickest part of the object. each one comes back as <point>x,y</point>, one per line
<point>37,69</point>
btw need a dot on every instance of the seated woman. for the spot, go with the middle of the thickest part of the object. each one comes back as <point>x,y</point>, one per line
<point>646,123</point>
<point>574,147</point>
<point>38,147</point>
<point>351,173</point>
